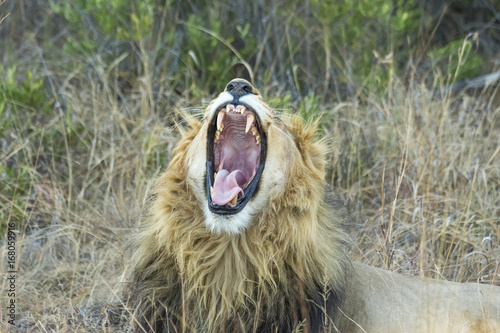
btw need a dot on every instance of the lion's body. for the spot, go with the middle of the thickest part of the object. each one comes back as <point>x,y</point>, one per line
<point>286,265</point>
<point>381,301</point>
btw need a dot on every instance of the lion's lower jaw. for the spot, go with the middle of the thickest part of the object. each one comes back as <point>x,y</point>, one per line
<point>231,224</point>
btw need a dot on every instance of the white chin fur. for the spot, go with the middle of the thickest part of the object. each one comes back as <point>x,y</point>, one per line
<point>229,224</point>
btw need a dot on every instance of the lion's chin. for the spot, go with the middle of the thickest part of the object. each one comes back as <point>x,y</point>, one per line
<point>234,224</point>
<point>236,149</point>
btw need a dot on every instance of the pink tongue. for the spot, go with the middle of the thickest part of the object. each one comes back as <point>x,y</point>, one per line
<point>226,186</point>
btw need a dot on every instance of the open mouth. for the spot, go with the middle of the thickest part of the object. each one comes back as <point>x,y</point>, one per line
<point>235,158</point>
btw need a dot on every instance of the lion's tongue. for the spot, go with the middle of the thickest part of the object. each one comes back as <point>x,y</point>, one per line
<point>227,185</point>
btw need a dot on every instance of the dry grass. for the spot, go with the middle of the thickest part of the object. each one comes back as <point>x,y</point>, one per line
<point>419,171</point>
<point>77,205</point>
<point>423,177</point>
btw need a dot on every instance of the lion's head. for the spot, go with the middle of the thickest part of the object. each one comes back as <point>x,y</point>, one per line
<point>242,157</point>
<point>239,235</point>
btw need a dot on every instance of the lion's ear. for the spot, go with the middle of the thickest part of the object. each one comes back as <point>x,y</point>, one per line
<point>307,142</point>
<point>317,154</point>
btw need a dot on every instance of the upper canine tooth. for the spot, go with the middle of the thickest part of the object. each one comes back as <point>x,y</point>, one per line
<point>250,120</point>
<point>220,118</point>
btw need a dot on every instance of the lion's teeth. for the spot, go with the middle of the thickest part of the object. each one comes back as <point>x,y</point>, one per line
<point>229,107</point>
<point>211,191</point>
<point>220,118</point>
<point>240,109</point>
<point>257,139</point>
<point>217,135</point>
<point>233,201</point>
<point>250,120</point>
<point>254,131</point>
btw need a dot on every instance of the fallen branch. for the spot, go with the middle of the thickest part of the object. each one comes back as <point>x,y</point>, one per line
<point>475,83</point>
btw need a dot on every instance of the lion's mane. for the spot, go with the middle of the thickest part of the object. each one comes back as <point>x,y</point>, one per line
<point>286,270</point>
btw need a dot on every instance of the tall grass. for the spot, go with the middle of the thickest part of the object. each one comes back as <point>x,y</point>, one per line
<point>422,173</point>
<point>418,167</point>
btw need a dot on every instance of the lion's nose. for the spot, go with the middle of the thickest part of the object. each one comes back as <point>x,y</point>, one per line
<point>238,89</point>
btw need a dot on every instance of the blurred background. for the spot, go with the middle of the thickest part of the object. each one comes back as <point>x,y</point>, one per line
<point>406,92</point>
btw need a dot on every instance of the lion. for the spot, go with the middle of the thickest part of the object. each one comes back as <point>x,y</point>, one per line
<point>242,235</point>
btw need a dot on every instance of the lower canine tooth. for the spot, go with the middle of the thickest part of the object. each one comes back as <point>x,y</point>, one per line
<point>233,201</point>
<point>211,191</point>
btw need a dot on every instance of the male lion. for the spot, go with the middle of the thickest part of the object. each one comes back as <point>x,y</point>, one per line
<point>240,238</point>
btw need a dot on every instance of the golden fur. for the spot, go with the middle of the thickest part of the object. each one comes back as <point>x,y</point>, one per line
<point>284,266</point>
